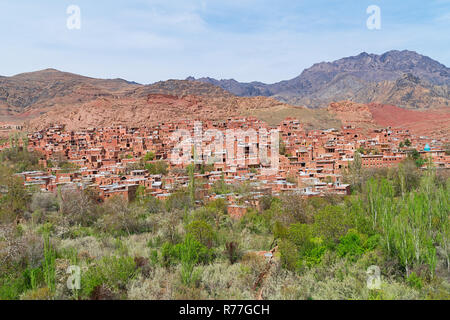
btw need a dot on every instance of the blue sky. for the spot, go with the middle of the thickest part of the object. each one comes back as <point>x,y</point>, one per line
<point>269,41</point>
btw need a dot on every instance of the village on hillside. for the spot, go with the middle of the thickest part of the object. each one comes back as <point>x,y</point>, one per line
<point>125,161</point>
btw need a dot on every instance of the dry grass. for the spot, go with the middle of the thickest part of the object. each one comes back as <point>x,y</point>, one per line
<point>311,118</point>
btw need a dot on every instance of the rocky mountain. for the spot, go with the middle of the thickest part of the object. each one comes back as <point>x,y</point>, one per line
<point>402,79</point>
<point>41,98</point>
<point>362,78</point>
<point>29,95</point>
<point>238,88</point>
<point>41,87</point>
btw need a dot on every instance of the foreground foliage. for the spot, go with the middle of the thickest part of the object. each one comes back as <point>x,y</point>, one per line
<point>397,220</point>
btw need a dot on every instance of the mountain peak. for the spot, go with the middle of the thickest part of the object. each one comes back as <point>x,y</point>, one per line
<point>344,78</point>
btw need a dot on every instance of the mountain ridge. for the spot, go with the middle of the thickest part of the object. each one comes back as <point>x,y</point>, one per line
<point>368,69</point>
<point>42,97</point>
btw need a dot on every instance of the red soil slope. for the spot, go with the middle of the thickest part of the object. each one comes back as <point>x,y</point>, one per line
<point>434,123</point>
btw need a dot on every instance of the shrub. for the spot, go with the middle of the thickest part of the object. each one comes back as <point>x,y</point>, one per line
<point>179,200</point>
<point>154,258</point>
<point>313,256</point>
<point>44,202</point>
<point>168,255</point>
<point>158,286</point>
<point>17,249</point>
<point>112,272</point>
<point>157,167</point>
<point>190,254</point>
<point>12,285</point>
<point>122,219</point>
<point>37,294</point>
<point>350,245</point>
<point>48,265</point>
<point>293,209</point>
<point>331,223</point>
<point>15,202</point>
<point>202,232</point>
<point>77,207</point>
<point>232,252</point>
<point>255,222</point>
<point>288,254</point>
<point>223,281</point>
<point>414,281</point>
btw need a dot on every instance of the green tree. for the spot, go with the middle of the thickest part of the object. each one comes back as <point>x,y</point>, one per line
<point>158,167</point>
<point>354,172</point>
<point>191,172</point>
<point>16,200</point>
<point>201,231</point>
<point>407,143</point>
<point>288,254</point>
<point>149,156</point>
<point>415,155</point>
<point>282,147</point>
<point>331,223</point>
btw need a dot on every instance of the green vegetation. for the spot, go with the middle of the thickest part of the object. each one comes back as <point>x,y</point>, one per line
<point>416,157</point>
<point>19,159</point>
<point>407,143</point>
<point>447,149</point>
<point>396,219</point>
<point>158,167</point>
<point>282,147</point>
<point>150,156</point>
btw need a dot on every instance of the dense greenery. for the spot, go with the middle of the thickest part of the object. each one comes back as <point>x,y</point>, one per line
<point>396,219</point>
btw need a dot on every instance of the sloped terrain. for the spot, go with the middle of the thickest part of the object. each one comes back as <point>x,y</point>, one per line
<point>403,78</point>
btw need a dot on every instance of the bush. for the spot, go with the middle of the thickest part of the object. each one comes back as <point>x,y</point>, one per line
<point>223,281</point>
<point>45,202</point>
<point>256,222</point>
<point>113,272</point>
<point>157,167</point>
<point>158,286</point>
<point>15,202</point>
<point>313,256</point>
<point>293,209</point>
<point>120,218</point>
<point>232,252</point>
<point>331,223</point>
<point>37,294</point>
<point>179,200</point>
<point>202,232</point>
<point>190,253</point>
<point>21,159</point>
<point>350,246</point>
<point>78,207</point>
<point>12,285</point>
<point>288,254</point>
<point>414,281</point>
